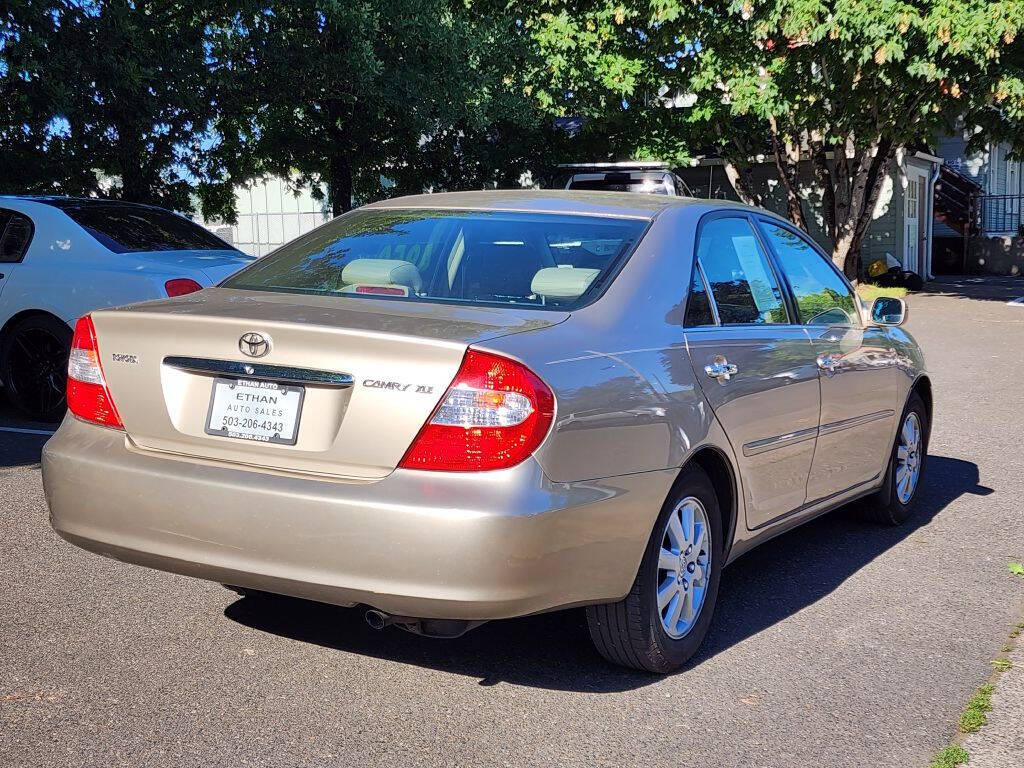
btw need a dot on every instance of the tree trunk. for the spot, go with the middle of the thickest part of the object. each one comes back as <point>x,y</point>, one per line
<point>340,184</point>
<point>842,255</point>
<point>740,178</point>
<point>134,188</point>
<point>787,163</point>
<point>842,180</point>
<point>877,170</point>
<point>826,180</point>
<point>869,169</point>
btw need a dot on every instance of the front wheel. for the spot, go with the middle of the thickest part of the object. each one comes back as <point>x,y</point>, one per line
<point>661,623</point>
<point>894,502</point>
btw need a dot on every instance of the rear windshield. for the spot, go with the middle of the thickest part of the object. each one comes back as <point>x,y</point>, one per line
<point>651,186</point>
<point>466,257</point>
<point>135,228</point>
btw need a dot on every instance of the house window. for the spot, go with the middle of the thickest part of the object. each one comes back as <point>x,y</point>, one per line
<point>912,199</point>
<point>911,223</point>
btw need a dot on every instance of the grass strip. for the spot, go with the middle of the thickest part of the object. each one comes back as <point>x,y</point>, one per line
<point>976,714</point>
<point>869,292</point>
<point>950,757</point>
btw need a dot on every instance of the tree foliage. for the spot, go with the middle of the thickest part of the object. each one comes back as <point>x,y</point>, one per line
<point>372,98</point>
<point>170,102</point>
<point>842,84</point>
<point>25,37</point>
<point>174,102</point>
<point>109,97</point>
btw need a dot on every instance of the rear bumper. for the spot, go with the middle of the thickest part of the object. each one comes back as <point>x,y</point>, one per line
<point>433,545</point>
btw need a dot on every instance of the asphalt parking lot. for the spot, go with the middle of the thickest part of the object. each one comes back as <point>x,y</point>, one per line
<point>838,644</point>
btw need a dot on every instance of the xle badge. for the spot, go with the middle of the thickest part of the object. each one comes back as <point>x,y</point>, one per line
<point>419,389</point>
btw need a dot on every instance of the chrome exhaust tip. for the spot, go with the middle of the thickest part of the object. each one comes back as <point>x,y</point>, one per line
<point>377,619</point>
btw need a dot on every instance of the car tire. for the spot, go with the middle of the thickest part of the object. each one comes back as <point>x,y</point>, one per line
<point>892,505</point>
<point>633,631</point>
<point>34,366</point>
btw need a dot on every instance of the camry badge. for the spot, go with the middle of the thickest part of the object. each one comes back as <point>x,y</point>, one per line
<point>254,344</point>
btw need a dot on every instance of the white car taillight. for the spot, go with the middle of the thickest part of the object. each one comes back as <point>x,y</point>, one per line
<point>466,407</point>
<point>494,415</point>
<point>88,396</point>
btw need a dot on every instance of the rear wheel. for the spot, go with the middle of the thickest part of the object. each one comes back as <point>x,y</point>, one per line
<point>664,618</point>
<point>894,502</point>
<point>34,366</point>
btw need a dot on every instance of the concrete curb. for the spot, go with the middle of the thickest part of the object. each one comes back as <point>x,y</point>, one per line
<point>1000,742</point>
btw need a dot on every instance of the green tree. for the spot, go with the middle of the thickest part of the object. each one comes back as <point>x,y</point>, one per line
<point>506,134</point>
<point>32,152</point>
<point>350,94</point>
<point>845,85</point>
<point>115,97</point>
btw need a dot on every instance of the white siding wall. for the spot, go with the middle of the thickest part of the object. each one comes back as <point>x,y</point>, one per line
<point>991,168</point>
<point>270,214</point>
<point>953,149</point>
<point>977,166</point>
<point>999,153</point>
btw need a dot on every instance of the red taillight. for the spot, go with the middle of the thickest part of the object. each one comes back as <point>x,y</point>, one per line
<point>88,395</point>
<point>179,286</point>
<point>494,415</point>
<point>381,290</point>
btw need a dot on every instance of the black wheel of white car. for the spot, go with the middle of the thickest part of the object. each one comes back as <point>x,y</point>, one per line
<point>664,618</point>
<point>34,366</point>
<point>894,503</point>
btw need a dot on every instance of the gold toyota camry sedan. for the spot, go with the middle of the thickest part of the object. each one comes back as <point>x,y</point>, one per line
<point>462,407</point>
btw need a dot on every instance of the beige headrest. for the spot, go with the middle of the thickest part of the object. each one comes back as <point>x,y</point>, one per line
<point>382,272</point>
<point>563,282</point>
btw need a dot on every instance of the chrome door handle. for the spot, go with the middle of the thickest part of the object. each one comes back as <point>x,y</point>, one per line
<point>720,369</point>
<point>829,363</point>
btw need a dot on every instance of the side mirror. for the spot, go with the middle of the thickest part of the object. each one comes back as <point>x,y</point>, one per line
<point>888,311</point>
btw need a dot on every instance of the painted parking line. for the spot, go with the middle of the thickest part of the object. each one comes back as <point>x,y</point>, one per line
<point>1018,302</point>
<point>26,431</point>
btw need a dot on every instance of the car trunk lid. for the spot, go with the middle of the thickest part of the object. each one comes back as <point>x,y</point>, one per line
<point>216,265</point>
<point>161,360</point>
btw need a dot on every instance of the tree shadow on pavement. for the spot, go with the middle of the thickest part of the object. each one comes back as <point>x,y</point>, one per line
<point>553,651</point>
<point>973,287</point>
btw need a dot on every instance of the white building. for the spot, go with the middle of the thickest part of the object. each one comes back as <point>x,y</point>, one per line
<point>270,213</point>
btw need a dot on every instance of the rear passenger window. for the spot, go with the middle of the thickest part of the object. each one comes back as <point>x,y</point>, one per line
<point>130,228</point>
<point>822,297</point>
<point>14,237</point>
<point>740,277</point>
<point>698,308</point>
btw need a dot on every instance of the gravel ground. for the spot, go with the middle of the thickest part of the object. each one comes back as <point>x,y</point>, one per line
<point>838,644</point>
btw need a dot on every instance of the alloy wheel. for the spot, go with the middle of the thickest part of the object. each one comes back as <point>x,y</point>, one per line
<point>908,458</point>
<point>37,370</point>
<point>684,567</point>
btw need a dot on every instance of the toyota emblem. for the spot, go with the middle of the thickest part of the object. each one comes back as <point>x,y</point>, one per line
<point>254,344</point>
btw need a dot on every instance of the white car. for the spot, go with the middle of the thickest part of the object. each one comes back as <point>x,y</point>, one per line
<point>61,257</point>
<point>654,178</point>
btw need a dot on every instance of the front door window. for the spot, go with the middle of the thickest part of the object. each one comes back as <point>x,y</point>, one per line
<point>822,296</point>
